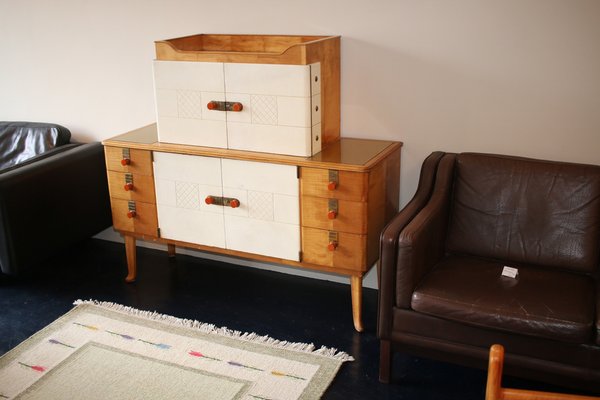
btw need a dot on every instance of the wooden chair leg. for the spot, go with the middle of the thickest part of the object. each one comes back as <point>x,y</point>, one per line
<point>493,389</point>
<point>385,361</point>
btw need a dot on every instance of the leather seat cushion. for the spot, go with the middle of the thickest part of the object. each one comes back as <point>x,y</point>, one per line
<point>539,302</point>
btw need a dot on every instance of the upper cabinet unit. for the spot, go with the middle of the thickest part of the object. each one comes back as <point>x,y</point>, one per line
<point>274,94</point>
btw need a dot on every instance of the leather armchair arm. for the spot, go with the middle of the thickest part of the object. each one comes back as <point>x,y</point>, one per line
<point>388,250</point>
<point>48,205</point>
<point>422,243</point>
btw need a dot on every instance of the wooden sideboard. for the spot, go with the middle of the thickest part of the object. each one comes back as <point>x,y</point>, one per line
<point>324,212</point>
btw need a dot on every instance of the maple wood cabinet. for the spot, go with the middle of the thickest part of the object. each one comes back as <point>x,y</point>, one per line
<point>324,212</point>
<point>246,159</point>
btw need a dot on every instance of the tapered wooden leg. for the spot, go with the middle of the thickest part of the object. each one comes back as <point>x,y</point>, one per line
<point>356,289</point>
<point>493,390</point>
<point>385,361</point>
<point>130,251</point>
<point>171,250</point>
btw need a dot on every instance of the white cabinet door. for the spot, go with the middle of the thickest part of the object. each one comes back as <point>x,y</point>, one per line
<point>182,90</point>
<point>268,219</point>
<point>281,106</point>
<point>182,184</point>
<point>277,108</point>
<point>266,222</point>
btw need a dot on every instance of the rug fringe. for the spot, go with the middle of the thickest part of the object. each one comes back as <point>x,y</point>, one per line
<point>328,352</point>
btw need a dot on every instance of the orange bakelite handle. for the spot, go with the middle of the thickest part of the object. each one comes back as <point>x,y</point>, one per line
<point>131,214</point>
<point>128,186</point>
<point>332,214</point>
<point>332,185</point>
<point>235,203</point>
<point>209,200</point>
<point>212,105</point>
<point>237,107</point>
<point>125,161</point>
<point>332,246</point>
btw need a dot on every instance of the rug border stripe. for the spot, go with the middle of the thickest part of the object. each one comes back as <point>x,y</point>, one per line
<point>328,352</point>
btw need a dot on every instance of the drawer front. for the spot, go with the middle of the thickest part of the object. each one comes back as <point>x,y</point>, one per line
<point>334,184</point>
<point>144,222</point>
<point>140,161</point>
<point>128,186</point>
<point>334,214</point>
<point>349,251</point>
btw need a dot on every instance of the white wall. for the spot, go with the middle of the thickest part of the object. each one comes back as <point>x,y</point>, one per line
<point>507,76</point>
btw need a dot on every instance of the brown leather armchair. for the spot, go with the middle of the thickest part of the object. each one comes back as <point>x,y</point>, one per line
<point>442,293</point>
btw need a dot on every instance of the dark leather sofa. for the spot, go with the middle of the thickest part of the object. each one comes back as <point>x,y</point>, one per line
<point>53,193</point>
<point>442,294</point>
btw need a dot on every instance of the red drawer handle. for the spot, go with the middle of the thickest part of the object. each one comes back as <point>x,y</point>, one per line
<point>128,186</point>
<point>131,214</point>
<point>125,161</point>
<point>332,246</point>
<point>222,201</point>
<point>332,185</point>
<point>332,214</point>
<point>234,106</point>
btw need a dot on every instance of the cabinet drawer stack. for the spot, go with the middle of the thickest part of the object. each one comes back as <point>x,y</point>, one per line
<point>131,187</point>
<point>334,217</point>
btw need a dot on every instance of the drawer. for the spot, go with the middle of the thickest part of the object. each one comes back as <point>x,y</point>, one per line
<point>349,251</point>
<point>140,161</point>
<point>334,184</point>
<point>144,222</point>
<point>128,186</point>
<point>334,214</point>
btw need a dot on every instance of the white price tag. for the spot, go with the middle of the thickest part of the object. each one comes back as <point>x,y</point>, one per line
<point>510,272</point>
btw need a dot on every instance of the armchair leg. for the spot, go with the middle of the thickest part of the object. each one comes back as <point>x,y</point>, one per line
<point>385,361</point>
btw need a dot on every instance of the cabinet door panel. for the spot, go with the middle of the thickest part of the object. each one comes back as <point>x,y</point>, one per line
<point>267,222</point>
<point>182,184</point>
<point>259,176</point>
<point>266,238</point>
<point>277,116</point>
<point>183,90</point>
<point>192,226</point>
<point>292,141</point>
<point>268,79</point>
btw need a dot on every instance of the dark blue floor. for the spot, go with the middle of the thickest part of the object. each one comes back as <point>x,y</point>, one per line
<point>268,303</point>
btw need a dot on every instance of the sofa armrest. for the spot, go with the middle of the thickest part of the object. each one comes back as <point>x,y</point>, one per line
<point>48,205</point>
<point>422,242</point>
<point>388,250</point>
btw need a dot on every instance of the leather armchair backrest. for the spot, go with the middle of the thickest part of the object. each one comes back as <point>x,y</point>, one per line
<point>21,141</point>
<point>526,211</point>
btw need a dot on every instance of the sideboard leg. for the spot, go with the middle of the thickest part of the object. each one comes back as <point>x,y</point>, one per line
<point>130,251</point>
<point>356,289</point>
<point>171,250</point>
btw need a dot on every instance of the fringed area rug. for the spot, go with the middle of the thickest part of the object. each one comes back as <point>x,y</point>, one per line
<point>108,351</point>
